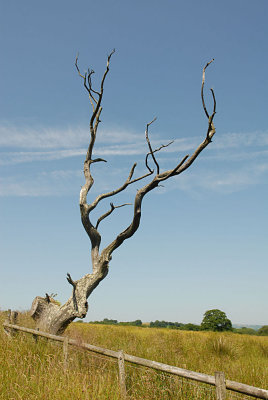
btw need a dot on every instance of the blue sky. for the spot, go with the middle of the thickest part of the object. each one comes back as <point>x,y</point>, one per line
<point>202,242</point>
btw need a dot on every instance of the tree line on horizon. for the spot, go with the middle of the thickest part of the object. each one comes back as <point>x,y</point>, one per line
<point>214,320</point>
<point>263,331</point>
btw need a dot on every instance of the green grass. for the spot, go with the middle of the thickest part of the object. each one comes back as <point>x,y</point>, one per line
<point>30,370</point>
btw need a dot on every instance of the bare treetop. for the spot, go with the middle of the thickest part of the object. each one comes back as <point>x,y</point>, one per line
<point>55,318</point>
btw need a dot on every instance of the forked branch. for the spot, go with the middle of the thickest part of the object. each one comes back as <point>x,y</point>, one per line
<point>87,78</point>
<point>128,182</point>
<point>211,128</point>
<point>202,88</point>
<point>150,148</point>
<point>113,207</point>
<point>157,179</point>
<point>155,151</point>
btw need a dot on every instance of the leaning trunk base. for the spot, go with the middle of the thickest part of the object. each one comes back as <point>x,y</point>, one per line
<point>49,316</point>
<point>53,318</point>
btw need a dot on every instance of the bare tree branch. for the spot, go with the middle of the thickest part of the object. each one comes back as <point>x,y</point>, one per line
<point>132,228</point>
<point>98,160</point>
<point>141,177</point>
<point>211,128</point>
<point>202,87</point>
<point>113,207</point>
<point>174,170</point>
<point>69,279</point>
<point>120,189</point>
<point>113,192</point>
<point>97,111</point>
<point>90,72</point>
<point>78,70</point>
<point>214,100</point>
<point>154,151</point>
<point>150,147</point>
<point>85,78</point>
<point>159,177</point>
<point>182,166</point>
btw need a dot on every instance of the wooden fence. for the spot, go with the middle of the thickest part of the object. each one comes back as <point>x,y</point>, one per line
<point>218,380</point>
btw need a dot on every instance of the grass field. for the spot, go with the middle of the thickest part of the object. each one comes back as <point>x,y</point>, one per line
<point>35,371</point>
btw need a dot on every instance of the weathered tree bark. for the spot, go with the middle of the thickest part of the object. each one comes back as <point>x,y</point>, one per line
<point>54,318</point>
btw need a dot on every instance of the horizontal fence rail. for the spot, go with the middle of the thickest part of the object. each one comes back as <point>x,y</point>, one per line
<point>119,355</point>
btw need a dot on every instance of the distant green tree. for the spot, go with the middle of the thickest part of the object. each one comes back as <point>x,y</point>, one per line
<point>245,331</point>
<point>171,325</point>
<point>165,324</point>
<point>263,331</point>
<point>108,321</point>
<point>138,322</point>
<point>191,327</point>
<point>158,324</point>
<point>177,325</point>
<point>216,320</point>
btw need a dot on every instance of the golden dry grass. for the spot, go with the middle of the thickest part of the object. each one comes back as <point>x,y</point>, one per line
<point>35,371</point>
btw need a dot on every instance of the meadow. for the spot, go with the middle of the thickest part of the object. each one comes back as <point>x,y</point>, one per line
<point>30,370</point>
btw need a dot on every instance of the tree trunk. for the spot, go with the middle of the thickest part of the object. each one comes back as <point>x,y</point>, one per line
<point>54,318</point>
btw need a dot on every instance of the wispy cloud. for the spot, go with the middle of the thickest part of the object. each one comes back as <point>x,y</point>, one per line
<point>237,155</point>
<point>41,138</point>
<point>54,138</point>
<point>223,181</point>
<point>29,145</point>
<point>248,150</point>
<point>238,140</point>
<point>60,182</point>
<point>66,182</point>
<point>53,183</point>
<point>17,157</point>
<point>25,188</point>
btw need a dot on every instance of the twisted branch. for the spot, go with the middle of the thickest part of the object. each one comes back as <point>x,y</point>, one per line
<point>182,166</point>
<point>87,77</point>
<point>150,147</point>
<point>100,260</point>
<point>154,151</point>
<point>202,87</point>
<point>113,207</point>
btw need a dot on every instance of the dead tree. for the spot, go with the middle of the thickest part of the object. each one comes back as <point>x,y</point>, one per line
<point>49,315</point>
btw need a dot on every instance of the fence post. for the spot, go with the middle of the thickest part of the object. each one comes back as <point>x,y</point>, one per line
<point>8,316</point>
<point>220,386</point>
<point>122,375</point>
<point>11,319</point>
<point>14,318</point>
<point>8,321</point>
<point>36,336</point>
<point>65,353</point>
